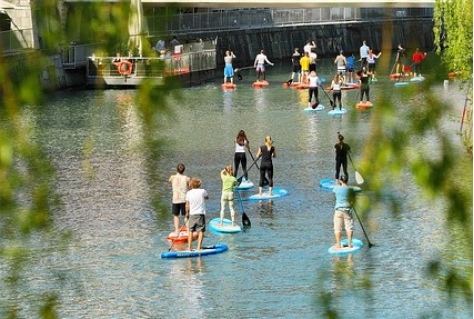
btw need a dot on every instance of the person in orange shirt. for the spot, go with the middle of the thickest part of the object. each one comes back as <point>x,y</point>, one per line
<point>305,61</point>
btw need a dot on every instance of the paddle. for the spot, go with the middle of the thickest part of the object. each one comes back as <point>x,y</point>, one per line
<point>177,236</point>
<point>237,71</point>
<point>327,95</point>
<point>246,171</point>
<point>265,180</point>
<point>362,226</point>
<point>359,179</point>
<point>245,219</point>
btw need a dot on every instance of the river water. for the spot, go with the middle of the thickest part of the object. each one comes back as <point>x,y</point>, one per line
<point>278,268</point>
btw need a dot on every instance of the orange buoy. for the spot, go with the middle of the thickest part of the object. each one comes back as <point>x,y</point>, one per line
<point>125,67</point>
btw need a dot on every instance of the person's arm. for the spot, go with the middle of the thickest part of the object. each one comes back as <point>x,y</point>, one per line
<point>274,152</point>
<point>378,55</point>
<point>259,152</point>
<point>187,210</point>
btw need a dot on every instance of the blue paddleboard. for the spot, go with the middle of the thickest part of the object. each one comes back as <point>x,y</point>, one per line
<point>417,79</point>
<point>246,184</point>
<point>211,250</point>
<point>328,184</point>
<point>356,245</point>
<point>226,227</point>
<point>337,111</point>
<point>401,83</point>
<point>320,107</point>
<point>276,193</point>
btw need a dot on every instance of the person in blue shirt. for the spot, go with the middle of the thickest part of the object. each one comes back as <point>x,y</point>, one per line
<point>343,212</point>
<point>350,67</point>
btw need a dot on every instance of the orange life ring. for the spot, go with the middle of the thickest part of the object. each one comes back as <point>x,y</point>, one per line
<point>125,67</point>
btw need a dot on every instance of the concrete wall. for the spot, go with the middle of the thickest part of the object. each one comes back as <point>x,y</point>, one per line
<point>330,39</point>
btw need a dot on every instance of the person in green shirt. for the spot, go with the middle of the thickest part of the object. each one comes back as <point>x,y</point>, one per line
<point>228,183</point>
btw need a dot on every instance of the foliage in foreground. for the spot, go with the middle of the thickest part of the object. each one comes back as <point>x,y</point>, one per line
<point>28,198</point>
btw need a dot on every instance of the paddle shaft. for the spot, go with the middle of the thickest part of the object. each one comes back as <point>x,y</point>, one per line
<point>362,226</point>
<point>253,158</point>
<point>246,171</point>
<point>327,95</point>
<point>177,236</point>
<point>359,178</point>
<point>245,219</point>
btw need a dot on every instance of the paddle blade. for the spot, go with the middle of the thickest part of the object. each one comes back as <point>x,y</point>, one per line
<point>359,178</point>
<point>246,220</point>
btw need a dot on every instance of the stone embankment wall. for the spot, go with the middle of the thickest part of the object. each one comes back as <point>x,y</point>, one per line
<point>279,43</point>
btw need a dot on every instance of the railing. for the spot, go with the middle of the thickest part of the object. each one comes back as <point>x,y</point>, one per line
<point>152,66</point>
<point>222,20</point>
<point>16,40</point>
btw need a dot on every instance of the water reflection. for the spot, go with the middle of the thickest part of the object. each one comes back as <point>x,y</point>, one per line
<point>265,208</point>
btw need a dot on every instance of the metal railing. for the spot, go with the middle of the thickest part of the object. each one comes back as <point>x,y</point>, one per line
<point>154,66</point>
<point>16,40</point>
<point>222,20</point>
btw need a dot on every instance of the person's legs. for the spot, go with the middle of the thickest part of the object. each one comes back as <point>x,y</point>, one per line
<point>223,200</point>
<point>337,221</point>
<point>231,208</point>
<point>349,226</point>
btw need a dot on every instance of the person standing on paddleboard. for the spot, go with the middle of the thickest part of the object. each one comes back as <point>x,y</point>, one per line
<point>364,78</point>
<point>314,82</point>
<point>241,144</point>
<point>180,184</point>
<point>342,212</point>
<point>295,66</point>
<point>259,64</point>
<point>267,153</point>
<point>417,58</point>
<point>342,149</point>
<point>336,85</point>
<point>228,68</point>
<point>228,183</point>
<point>196,211</point>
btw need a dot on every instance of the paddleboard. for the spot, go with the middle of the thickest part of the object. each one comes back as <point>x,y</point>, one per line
<point>417,79</point>
<point>181,236</point>
<point>246,184</point>
<point>347,86</point>
<point>401,83</point>
<point>328,184</point>
<point>356,245</point>
<point>364,105</point>
<point>337,111</point>
<point>260,84</point>
<point>320,107</point>
<point>228,86</point>
<point>276,193</point>
<point>210,250</point>
<point>226,227</point>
